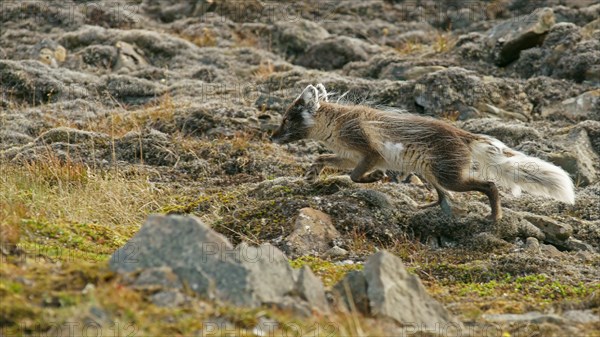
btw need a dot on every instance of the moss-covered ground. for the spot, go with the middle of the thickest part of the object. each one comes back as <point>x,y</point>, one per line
<point>61,222</point>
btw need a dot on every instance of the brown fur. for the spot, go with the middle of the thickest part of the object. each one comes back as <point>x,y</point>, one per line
<point>371,141</point>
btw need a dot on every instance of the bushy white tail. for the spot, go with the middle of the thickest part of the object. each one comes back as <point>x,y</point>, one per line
<point>494,161</point>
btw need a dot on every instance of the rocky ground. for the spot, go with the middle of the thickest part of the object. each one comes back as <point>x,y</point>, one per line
<point>111,111</point>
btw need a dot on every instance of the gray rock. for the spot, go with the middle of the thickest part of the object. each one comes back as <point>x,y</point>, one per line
<point>581,316</point>
<point>268,275</point>
<point>566,53</point>
<point>336,252</point>
<point>352,292</point>
<point>550,251</point>
<point>168,11</point>
<point>168,299</point>
<point>510,133</point>
<point>153,279</point>
<point>583,107</point>
<point>334,53</point>
<point>555,231</point>
<point>573,244</point>
<point>311,289</point>
<point>207,262</point>
<point>528,230</point>
<point>457,92</point>
<point>394,293</point>
<point>405,73</point>
<point>313,233</point>
<point>509,38</point>
<point>580,159</point>
<point>530,317</point>
<point>292,38</point>
<point>532,245</point>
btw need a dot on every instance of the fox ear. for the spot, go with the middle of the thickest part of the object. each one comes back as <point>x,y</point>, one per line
<point>309,98</point>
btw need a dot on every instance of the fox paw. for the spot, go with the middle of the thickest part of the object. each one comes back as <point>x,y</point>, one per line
<point>311,175</point>
<point>376,175</point>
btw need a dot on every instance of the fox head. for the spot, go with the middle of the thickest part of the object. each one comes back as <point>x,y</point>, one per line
<point>298,118</point>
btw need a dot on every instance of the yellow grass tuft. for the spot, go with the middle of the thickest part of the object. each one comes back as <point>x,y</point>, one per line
<point>56,191</point>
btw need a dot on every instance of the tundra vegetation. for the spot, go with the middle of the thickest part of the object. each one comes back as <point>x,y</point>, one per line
<point>112,111</point>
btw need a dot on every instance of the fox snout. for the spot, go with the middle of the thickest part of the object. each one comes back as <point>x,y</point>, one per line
<point>299,117</point>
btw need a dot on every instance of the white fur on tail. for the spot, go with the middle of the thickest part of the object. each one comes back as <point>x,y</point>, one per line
<point>494,161</point>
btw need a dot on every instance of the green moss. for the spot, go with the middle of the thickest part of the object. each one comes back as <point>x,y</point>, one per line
<point>329,272</point>
<point>9,287</point>
<point>74,238</point>
<point>512,294</point>
<point>16,309</point>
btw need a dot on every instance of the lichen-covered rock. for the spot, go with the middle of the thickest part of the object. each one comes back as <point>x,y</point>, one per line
<point>457,92</point>
<point>509,38</point>
<point>580,159</point>
<point>565,53</point>
<point>293,38</point>
<point>313,233</point>
<point>583,107</point>
<point>334,53</point>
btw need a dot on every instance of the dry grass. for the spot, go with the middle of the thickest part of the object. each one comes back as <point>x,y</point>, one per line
<point>207,38</point>
<point>444,42</point>
<point>57,191</point>
<point>264,70</point>
<point>121,121</point>
<point>411,47</point>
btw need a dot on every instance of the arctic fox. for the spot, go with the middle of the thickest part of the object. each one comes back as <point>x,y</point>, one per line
<point>371,141</point>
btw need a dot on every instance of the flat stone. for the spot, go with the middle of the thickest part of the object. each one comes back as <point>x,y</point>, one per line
<point>554,230</point>
<point>573,244</point>
<point>583,107</point>
<point>581,316</point>
<point>336,252</point>
<point>530,317</point>
<point>550,251</point>
<point>168,298</point>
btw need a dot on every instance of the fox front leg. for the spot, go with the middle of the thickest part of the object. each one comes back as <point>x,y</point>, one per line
<point>330,160</point>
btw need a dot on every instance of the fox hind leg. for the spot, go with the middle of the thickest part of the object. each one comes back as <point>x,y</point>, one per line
<point>363,173</point>
<point>486,187</point>
<point>332,160</point>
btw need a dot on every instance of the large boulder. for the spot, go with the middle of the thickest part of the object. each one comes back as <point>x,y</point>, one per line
<point>334,53</point>
<point>392,292</point>
<point>206,261</point>
<point>463,94</point>
<point>509,38</point>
